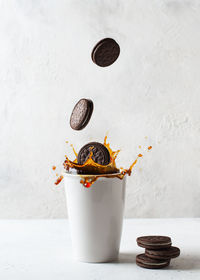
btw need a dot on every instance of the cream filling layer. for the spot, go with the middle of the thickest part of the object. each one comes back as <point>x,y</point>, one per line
<point>147,263</point>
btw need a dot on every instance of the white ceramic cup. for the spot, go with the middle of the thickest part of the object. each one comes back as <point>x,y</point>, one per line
<point>95,217</point>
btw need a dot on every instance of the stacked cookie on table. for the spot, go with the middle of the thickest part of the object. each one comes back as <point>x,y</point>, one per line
<point>158,251</point>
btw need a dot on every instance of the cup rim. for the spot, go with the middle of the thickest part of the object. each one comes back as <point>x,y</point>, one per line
<point>65,174</point>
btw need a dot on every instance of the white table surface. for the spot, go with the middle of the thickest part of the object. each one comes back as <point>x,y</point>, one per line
<point>41,249</point>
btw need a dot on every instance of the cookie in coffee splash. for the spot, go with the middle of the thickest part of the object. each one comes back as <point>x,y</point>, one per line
<point>96,160</point>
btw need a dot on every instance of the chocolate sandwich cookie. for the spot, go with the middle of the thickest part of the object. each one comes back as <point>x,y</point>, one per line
<point>100,153</point>
<point>105,52</point>
<point>146,262</point>
<point>154,242</point>
<point>163,254</point>
<point>81,114</point>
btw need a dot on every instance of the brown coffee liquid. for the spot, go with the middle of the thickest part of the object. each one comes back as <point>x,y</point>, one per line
<point>91,167</point>
<point>59,179</point>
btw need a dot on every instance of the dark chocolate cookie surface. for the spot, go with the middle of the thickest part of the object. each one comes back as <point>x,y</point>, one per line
<point>81,114</point>
<point>163,254</point>
<point>105,52</point>
<point>154,242</point>
<point>100,153</point>
<point>146,262</point>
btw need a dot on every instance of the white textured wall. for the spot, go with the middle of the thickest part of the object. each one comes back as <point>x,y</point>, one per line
<point>152,90</point>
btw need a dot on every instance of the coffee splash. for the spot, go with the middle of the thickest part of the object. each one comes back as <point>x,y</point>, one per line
<point>91,167</point>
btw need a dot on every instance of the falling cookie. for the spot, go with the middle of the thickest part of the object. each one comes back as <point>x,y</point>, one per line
<point>105,52</point>
<point>81,114</point>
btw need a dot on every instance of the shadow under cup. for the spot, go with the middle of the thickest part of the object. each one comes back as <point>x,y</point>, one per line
<point>95,216</point>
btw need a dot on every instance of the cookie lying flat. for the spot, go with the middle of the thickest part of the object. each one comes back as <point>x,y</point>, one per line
<point>163,254</point>
<point>146,262</point>
<point>100,155</point>
<point>105,52</point>
<point>81,114</point>
<point>154,242</point>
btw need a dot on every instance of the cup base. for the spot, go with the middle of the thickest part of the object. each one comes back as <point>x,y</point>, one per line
<point>94,260</point>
